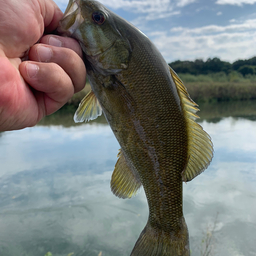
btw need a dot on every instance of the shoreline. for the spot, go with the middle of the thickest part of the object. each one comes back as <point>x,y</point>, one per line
<point>200,92</point>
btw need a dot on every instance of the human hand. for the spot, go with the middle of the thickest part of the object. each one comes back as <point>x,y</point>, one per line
<point>31,89</point>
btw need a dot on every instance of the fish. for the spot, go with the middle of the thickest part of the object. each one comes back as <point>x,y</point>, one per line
<point>151,115</point>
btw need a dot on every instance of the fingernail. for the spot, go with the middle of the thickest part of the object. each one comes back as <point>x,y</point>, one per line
<point>54,41</point>
<point>44,53</point>
<point>32,69</point>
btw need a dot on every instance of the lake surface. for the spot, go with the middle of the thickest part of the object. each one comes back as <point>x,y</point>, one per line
<point>55,194</point>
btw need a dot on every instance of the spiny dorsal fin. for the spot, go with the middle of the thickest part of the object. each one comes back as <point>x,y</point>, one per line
<point>88,109</point>
<point>200,148</point>
<point>124,183</point>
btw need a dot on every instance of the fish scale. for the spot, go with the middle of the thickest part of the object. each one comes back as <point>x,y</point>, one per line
<point>152,116</point>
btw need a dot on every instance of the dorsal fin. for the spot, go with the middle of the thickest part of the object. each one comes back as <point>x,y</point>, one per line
<point>124,182</point>
<point>88,109</point>
<point>200,148</point>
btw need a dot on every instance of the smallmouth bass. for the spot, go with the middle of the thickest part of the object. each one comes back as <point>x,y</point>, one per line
<point>151,115</point>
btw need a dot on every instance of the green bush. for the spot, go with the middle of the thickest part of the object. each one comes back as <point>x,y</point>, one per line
<point>235,76</point>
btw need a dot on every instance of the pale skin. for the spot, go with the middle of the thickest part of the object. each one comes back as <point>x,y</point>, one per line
<point>53,70</point>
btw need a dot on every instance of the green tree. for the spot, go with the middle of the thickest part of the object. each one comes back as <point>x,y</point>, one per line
<point>239,63</point>
<point>247,69</point>
<point>215,66</point>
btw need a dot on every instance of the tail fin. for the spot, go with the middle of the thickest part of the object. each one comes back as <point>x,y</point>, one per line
<point>156,242</point>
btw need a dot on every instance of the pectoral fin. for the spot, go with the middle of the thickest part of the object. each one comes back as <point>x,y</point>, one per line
<point>88,109</point>
<point>200,148</point>
<point>124,182</point>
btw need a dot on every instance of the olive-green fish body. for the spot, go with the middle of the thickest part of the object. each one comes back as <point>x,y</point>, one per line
<point>151,115</point>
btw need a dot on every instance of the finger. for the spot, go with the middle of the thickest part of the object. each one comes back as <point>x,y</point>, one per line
<point>67,59</point>
<point>61,41</point>
<point>51,14</point>
<point>50,79</point>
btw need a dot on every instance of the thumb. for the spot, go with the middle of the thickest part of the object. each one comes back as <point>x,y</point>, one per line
<point>51,14</point>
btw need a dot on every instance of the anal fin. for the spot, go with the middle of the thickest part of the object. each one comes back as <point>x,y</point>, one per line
<point>124,182</point>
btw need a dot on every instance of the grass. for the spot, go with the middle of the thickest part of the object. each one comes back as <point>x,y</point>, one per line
<point>233,77</point>
<point>220,87</point>
<point>221,91</point>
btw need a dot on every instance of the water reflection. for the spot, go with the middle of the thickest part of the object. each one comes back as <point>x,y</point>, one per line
<point>212,112</point>
<point>55,195</point>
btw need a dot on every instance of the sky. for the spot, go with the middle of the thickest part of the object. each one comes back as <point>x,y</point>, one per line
<point>192,29</point>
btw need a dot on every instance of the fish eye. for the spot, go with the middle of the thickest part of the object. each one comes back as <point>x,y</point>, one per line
<point>98,17</point>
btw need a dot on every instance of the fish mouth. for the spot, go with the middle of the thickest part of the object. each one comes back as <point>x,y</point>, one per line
<point>71,19</point>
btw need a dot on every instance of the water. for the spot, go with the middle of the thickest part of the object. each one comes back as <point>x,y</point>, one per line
<point>55,195</point>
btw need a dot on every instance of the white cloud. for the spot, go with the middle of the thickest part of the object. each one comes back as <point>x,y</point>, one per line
<point>143,6</point>
<point>246,26</point>
<point>146,5</point>
<point>141,22</point>
<point>219,13</point>
<point>226,42</point>
<point>236,2</point>
<point>149,9</point>
<point>182,3</point>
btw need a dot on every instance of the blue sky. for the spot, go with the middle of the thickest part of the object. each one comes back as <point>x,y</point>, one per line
<point>192,29</point>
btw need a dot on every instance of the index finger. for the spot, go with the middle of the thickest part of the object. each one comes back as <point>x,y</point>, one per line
<point>61,41</point>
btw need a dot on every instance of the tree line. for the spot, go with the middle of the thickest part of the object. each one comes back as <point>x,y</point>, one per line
<point>215,65</point>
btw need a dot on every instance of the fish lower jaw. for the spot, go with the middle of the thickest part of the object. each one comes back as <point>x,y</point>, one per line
<point>71,19</point>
